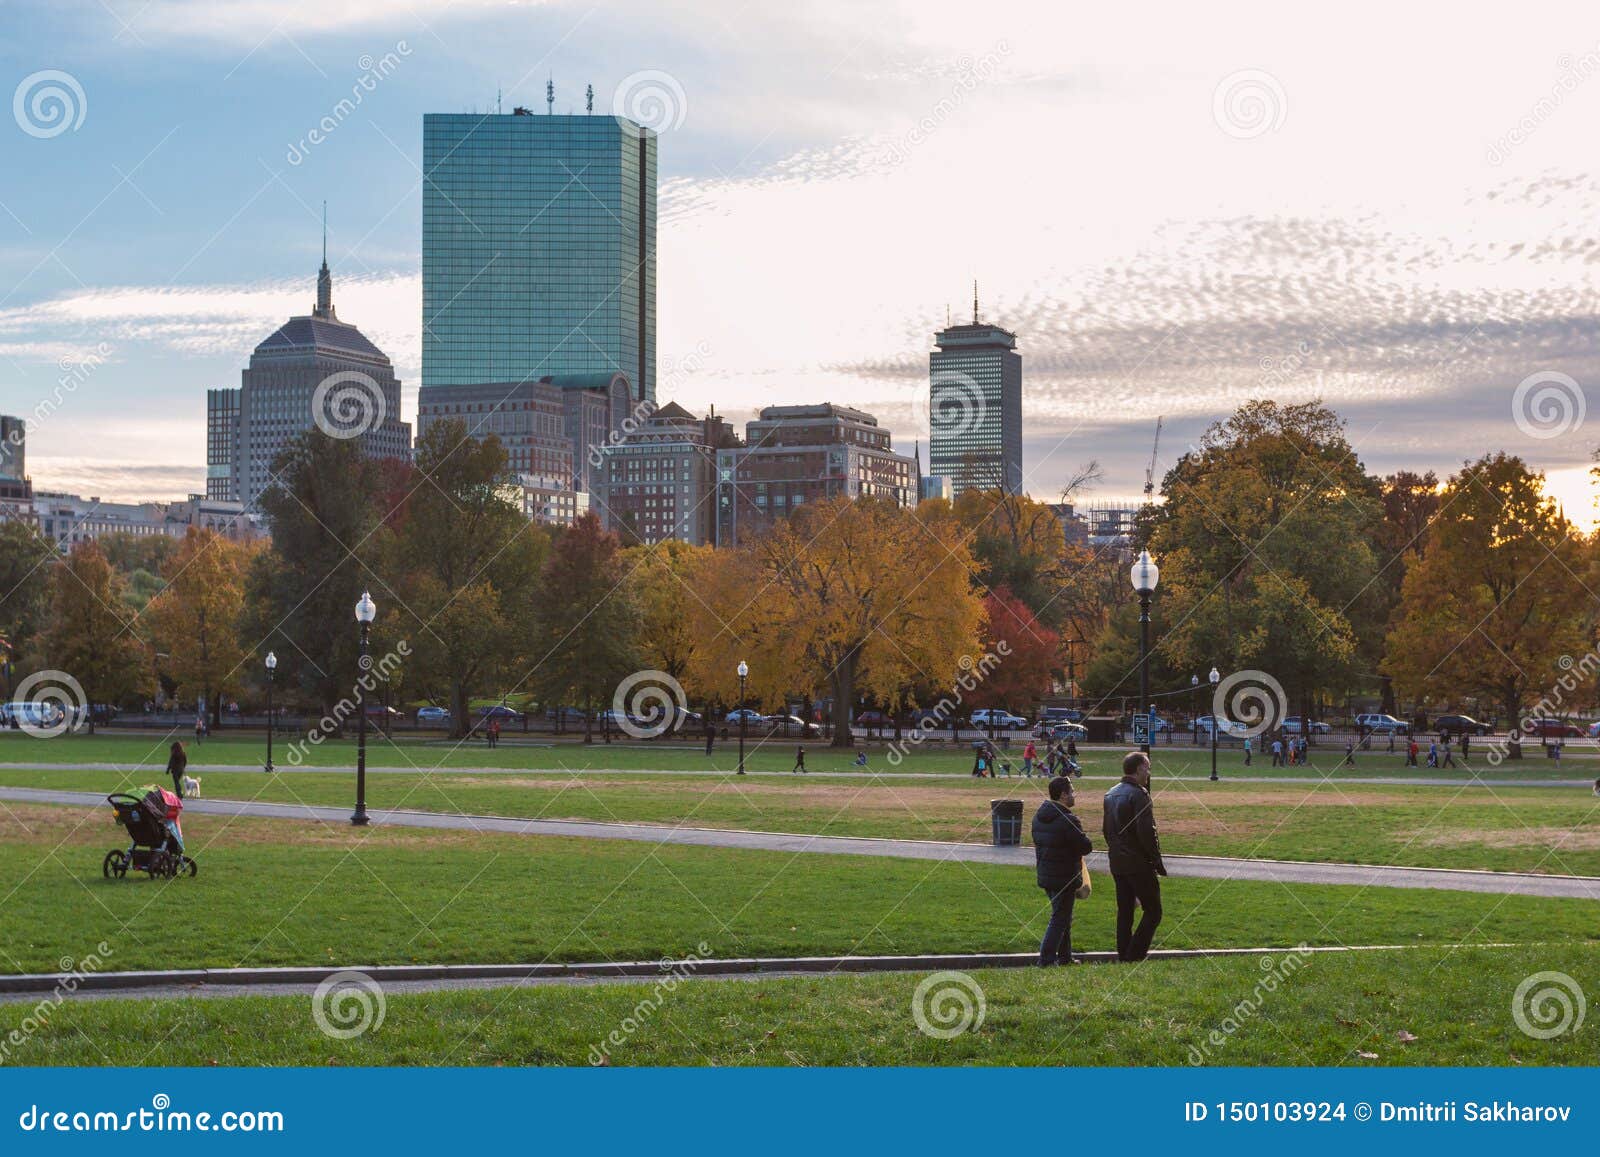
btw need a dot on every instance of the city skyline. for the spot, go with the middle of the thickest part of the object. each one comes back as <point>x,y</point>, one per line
<point>1279,233</point>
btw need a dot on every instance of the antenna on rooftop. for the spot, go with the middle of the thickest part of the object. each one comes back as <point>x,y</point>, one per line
<point>497,99</point>
<point>550,95</point>
<point>589,107</point>
<point>974,301</point>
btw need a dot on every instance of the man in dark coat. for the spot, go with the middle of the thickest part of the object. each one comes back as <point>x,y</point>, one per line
<point>1134,852</point>
<point>1059,846</point>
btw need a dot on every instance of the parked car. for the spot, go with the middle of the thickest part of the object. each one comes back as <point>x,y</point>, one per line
<point>1060,715</point>
<point>1291,724</point>
<point>566,716</point>
<point>1551,729</point>
<point>1383,724</point>
<point>378,713</point>
<point>501,712</point>
<point>1223,727</point>
<point>873,718</point>
<point>1594,730</point>
<point>793,722</point>
<point>1461,725</point>
<point>933,717</point>
<point>751,717</point>
<point>997,718</point>
<point>39,713</point>
<point>1062,731</point>
<point>433,716</point>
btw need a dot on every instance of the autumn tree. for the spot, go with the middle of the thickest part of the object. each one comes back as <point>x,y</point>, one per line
<point>585,625</point>
<point>1496,603</point>
<point>91,637</point>
<point>841,595</point>
<point>195,619</point>
<point>663,580</point>
<point>470,561</point>
<point>1029,647</point>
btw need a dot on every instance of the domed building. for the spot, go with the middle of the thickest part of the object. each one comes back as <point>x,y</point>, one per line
<point>314,371</point>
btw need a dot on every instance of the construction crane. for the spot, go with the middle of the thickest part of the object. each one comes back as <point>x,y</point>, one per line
<point>1150,474</point>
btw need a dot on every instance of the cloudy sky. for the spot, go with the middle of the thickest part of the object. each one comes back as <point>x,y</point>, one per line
<point>1175,209</point>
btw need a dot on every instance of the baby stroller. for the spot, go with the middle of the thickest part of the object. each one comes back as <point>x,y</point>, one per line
<point>151,818</point>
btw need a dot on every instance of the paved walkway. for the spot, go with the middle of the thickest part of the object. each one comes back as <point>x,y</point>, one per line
<point>1207,867</point>
<point>434,977</point>
<point>157,771</point>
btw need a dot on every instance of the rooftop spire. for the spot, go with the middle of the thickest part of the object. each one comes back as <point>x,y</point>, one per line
<point>974,301</point>
<point>324,278</point>
<point>550,95</point>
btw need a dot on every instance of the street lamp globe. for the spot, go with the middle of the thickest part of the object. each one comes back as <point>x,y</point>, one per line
<point>366,609</point>
<point>744,668</point>
<point>1215,676</point>
<point>1145,574</point>
<point>272,661</point>
<point>1194,680</point>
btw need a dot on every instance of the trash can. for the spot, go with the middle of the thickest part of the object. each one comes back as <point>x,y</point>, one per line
<point>1007,817</point>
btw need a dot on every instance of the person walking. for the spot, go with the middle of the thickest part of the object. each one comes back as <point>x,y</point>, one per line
<point>177,765</point>
<point>199,728</point>
<point>1247,751</point>
<point>1029,754</point>
<point>1277,753</point>
<point>1134,851</point>
<point>1466,742</point>
<point>1446,748</point>
<point>1349,753</point>
<point>1059,845</point>
<point>711,733</point>
<point>1433,753</point>
<point>799,760</point>
<point>494,733</point>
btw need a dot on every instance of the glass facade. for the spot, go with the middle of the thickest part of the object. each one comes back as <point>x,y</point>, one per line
<point>538,249</point>
<point>975,409</point>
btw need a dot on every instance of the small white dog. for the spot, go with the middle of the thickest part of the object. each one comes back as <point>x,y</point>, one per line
<point>191,786</point>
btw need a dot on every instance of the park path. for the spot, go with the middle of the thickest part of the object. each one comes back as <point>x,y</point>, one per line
<point>1206,867</point>
<point>202,769</point>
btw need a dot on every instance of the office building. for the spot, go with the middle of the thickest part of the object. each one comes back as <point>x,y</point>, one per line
<point>538,249</point>
<point>975,407</point>
<point>552,429</point>
<point>222,432</point>
<point>69,519</point>
<point>16,491</point>
<point>313,371</point>
<point>798,454</point>
<point>658,481</point>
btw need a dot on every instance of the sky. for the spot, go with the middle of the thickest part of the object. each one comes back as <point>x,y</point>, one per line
<point>1176,207</point>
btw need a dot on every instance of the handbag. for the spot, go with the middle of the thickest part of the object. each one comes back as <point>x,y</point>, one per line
<point>1085,889</point>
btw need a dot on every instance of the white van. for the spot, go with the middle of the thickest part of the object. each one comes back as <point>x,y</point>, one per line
<point>21,713</point>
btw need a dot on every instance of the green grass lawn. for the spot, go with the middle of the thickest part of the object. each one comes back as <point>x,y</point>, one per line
<point>1504,827</point>
<point>1331,1011</point>
<point>408,752</point>
<point>283,893</point>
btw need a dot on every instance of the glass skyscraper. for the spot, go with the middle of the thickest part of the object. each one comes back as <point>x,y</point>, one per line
<point>975,408</point>
<point>538,249</point>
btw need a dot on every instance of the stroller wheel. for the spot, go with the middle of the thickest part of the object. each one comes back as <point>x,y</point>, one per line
<point>114,865</point>
<point>187,867</point>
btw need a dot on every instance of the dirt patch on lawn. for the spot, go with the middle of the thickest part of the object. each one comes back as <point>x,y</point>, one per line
<point>1560,839</point>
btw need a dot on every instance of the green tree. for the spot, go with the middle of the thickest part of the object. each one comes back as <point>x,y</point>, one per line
<point>325,517</point>
<point>585,625</point>
<point>472,562</point>
<point>26,559</point>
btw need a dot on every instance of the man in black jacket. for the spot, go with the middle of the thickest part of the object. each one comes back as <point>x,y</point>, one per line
<point>1135,856</point>
<point>1059,846</point>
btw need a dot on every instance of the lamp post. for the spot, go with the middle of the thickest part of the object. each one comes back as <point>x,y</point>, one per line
<point>1194,711</point>
<point>744,671</point>
<point>1144,576</point>
<point>1215,677</point>
<point>366,611</point>
<point>272,665</point>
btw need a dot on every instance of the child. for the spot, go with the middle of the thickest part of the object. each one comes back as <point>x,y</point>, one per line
<point>861,758</point>
<point>799,760</point>
<point>1411,752</point>
<point>1247,751</point>
<point>1029,754</point>
<point>1349,753</point>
